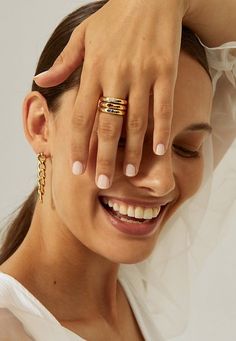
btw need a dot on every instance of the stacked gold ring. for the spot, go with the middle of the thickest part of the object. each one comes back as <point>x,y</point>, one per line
<point>111,105</point>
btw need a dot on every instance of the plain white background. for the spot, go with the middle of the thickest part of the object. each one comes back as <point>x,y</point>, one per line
<point>25,27</point>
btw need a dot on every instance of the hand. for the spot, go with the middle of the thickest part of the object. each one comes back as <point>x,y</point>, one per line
<point>140,50</point>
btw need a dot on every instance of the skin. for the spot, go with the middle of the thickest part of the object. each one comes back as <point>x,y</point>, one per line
<point>118,67</point>
<point>71,254</point>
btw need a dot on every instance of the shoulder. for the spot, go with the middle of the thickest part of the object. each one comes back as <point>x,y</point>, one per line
<point>11,328</point>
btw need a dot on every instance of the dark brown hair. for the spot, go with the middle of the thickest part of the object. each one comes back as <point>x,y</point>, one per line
<point>16,230</point>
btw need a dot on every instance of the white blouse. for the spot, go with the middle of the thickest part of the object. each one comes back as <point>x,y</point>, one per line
<point>41,325</point>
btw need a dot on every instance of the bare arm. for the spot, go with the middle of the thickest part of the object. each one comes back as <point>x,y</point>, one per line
<point>214,21</point>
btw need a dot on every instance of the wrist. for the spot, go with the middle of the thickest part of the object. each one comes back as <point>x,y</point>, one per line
<point>190,12</point>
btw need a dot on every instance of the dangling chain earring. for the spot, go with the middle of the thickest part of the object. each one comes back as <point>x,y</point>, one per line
<point>41,174</point>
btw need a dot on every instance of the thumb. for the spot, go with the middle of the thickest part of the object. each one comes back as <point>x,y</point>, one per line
<point>68,60</point>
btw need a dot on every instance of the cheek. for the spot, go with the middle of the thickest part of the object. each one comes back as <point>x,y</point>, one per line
<point>74,197</point>
<point>189,174</point>
<point>188,177</point>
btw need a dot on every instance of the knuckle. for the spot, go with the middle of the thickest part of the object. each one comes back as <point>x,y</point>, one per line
<point>94,62</point>
<point>79,150</point>
<point>104,163</point>
<point>64,59</point>
<point>145,65</point>
<point>165,111</point>
<point>106,129</point>
<point>135,124</point>
<point>164,133</point>
<point>60,59</point>
<point>122,66</point>
<point>166,65</point>
<point>79,121</point>
<point>133,154</point>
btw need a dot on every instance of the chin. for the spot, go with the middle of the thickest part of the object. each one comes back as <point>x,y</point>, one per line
<point>128,255</point>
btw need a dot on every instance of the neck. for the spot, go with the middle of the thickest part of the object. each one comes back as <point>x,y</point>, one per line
<point>69,279</point>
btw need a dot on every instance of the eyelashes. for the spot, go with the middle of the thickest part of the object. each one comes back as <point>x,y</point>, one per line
<point>187,153</point>
<point>179,150</point>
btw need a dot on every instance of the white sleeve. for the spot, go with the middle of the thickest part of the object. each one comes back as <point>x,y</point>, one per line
<point>11,329</point>
<point>222,63</point>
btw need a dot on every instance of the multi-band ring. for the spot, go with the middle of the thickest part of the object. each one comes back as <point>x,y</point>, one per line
<point>112,105</point>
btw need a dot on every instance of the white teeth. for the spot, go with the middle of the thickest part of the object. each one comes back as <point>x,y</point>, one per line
<point>132,211</point>
<point>116,207</point>
<point>148,213</point>
<point>138,213</point>
<point>123,209</point>
<point>156,211</point>
<point>130,221</point>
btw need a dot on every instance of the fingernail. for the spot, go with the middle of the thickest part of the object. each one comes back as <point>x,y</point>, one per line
<point>77,168</point>
<point>130,170</point>
<point>103,181</point>
<point>160,149</point>
<point>40,74</point>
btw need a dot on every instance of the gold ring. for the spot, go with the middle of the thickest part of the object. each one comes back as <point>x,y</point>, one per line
<point>114,100</point>
<point>112,111</point>
<point>113,106</point>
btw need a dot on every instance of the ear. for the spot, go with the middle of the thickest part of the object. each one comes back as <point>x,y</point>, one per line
<point>36,116</point>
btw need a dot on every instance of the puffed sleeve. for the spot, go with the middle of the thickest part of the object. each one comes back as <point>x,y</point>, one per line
<point>11,329</point>
<point>222,63</point>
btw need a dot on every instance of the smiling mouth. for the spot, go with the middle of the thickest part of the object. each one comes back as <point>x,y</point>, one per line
<point>131,220</point>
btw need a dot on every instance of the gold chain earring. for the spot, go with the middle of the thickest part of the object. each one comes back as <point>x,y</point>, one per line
<point>41,175</point>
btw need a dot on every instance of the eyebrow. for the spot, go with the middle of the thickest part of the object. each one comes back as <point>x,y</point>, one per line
<point>199,126</point>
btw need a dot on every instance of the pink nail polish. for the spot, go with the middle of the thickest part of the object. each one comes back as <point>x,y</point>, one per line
<point>130,170</point>
<point>40,74</point>
<point>77,168</point>
<point>103,181</point>
<point>160,149</point>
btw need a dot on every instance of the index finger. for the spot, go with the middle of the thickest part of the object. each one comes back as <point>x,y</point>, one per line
<point>69,59</point>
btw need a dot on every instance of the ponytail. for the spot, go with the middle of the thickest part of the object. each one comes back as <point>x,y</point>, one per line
<point>18,228</point>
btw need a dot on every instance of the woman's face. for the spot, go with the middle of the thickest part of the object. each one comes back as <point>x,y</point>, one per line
<point>162,180</point>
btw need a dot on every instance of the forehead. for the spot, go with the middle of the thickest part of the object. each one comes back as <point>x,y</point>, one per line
<point>192,97</point>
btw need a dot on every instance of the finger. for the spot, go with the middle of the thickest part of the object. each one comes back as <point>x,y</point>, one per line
<point>68,60</point>
<point>82,121</point>
<point>163,92</point>
<point>109,131</point>
<point>136,126</point>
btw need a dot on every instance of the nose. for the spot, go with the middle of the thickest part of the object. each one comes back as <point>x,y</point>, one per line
<point>156,175</point>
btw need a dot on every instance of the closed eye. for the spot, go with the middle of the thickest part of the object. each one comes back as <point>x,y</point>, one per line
<point>184,152</point>
<point>181,151</point>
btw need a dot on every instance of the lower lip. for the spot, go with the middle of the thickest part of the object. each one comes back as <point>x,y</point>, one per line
<point>143,229</point>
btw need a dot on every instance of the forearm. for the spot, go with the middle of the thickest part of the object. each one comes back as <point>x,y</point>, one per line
<point>214,21</point>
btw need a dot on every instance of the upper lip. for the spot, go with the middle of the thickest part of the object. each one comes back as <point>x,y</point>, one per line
<point>135,202</point>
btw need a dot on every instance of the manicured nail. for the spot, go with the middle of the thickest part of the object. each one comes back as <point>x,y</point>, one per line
<point>40,74</point>
<point>160,149</point>
<point>77,168</point>
<point>130,170</point>
<point>103,181</point>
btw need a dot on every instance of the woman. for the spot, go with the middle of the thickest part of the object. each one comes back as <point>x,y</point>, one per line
<point>72,249</point>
